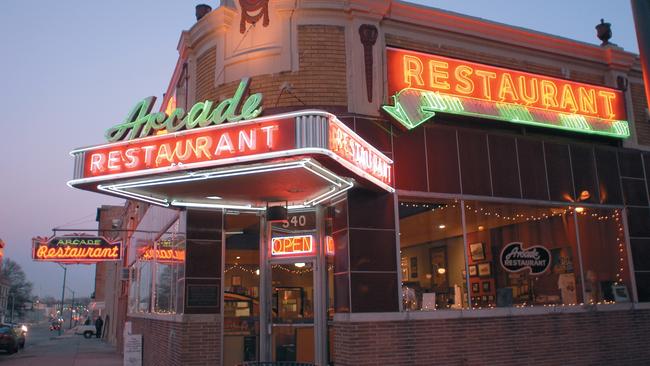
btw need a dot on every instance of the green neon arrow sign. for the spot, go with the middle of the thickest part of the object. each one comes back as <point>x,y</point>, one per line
<point>408,109</point>
<point>412,107</point>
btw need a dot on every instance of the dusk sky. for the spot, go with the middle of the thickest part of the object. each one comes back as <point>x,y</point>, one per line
<point>71,69</point>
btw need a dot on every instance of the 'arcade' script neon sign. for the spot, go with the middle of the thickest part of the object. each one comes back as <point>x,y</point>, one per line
<point>423,84</point>
<point>140,122</point>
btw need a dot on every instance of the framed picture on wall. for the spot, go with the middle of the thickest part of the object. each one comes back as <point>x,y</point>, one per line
<point>477,251</point>
<point>484,270</point>
<point>475,288</point>
<point>473,271</point>
<point>235,281</point>
<point>414,267</point>
<point>438,258</point>
<point>486,286</point>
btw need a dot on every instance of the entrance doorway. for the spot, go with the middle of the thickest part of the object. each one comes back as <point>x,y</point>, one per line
<point>274,289</point>
<point>292,309</point>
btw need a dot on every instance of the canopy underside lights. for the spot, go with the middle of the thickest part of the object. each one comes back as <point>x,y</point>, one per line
<point>314,185</point>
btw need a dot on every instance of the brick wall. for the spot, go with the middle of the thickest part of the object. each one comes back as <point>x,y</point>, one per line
<point>589,338</point>
<point>639,105</point>
<point>320,81</point>
<point>179,343</point>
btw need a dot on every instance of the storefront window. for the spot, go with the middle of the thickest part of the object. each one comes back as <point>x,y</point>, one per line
<point>516,255</point>
<point>242,288</point>
<point>157,263</point>
<point>522,255</point>
<point>432,257</point>
<point>604,255</point>
<point>169,262</point>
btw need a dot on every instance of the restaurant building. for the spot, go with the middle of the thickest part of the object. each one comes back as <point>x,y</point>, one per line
<point>382,183</point>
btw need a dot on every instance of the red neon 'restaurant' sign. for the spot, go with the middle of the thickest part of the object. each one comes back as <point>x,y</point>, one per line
<point>164,252</point>
<point>292,245</point>
<point>194,146</point>
<point>346,144</point>
<point>77,249</point>
<point>409,69</point>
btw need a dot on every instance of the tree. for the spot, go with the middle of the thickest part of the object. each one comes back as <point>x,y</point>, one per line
<point>20,289</point>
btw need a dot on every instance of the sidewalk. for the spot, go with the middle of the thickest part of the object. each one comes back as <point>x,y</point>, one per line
<point>66,350</point>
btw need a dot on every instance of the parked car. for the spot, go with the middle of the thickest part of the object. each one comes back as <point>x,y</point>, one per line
<point>21,332</point>
<point>8,338</point>
<point>87,330</point>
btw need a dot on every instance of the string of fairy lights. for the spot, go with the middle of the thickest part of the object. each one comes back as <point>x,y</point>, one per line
<point>255,270</point>
<point>541,214</point>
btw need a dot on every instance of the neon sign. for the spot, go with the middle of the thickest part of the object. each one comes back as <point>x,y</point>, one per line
<point>361,154</point>
<point>140,122</point>
<point>190,147</point>
<point>260,139</point>
<point>423,84</point>
<point>292,245</point>
<point>329,246</point>
<point>85,249</point>
<point>163,253</point>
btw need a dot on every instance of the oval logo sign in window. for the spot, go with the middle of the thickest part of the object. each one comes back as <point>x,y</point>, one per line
<point>515,258</point>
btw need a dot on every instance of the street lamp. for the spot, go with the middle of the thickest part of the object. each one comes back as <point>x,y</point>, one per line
<point>65,272</point>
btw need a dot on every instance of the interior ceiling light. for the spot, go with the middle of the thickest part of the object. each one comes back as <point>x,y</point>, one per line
<point>441,226</point>
<point>299,264</point>
<point>213,197</point>
<point>338,185</point>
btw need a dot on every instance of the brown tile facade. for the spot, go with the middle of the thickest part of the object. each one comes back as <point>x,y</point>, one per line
<point>588,338</point>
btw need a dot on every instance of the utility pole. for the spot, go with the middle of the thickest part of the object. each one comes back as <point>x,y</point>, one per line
<point>65,272</point>
<point>71,307</point>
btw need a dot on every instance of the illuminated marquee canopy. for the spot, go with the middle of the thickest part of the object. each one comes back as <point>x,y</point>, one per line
<point>76,249</point>
<point>313,146</point>
<point>423,84</point>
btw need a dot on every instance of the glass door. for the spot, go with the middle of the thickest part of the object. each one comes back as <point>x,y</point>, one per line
<point>292,309</point>
<point>292,291</point>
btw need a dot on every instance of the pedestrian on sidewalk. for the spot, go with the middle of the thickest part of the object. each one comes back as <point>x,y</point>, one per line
<point>99,323</point>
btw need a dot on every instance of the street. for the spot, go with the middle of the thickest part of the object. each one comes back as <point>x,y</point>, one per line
<point>45,347</point>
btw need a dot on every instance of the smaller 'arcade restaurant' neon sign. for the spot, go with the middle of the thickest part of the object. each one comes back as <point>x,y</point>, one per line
<point>424,84</point>
<point>78,249</point>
